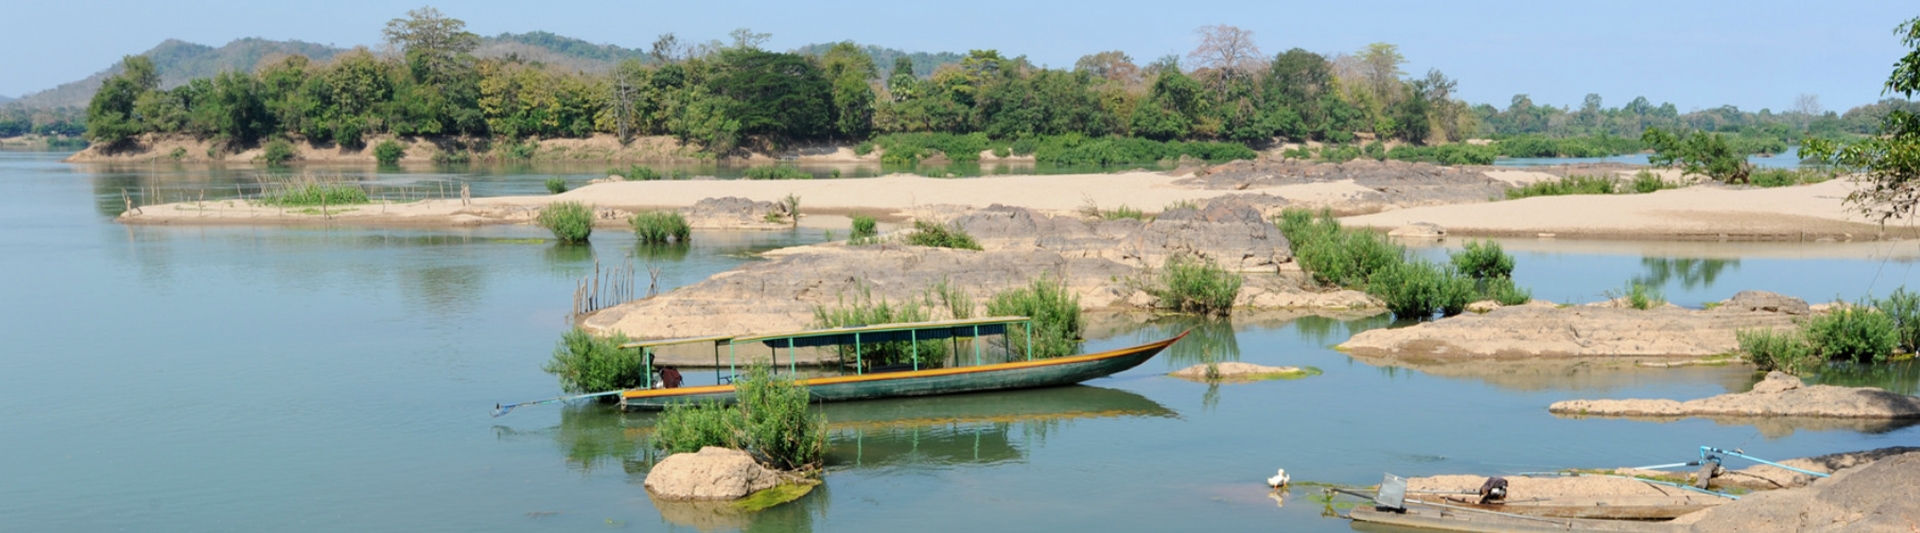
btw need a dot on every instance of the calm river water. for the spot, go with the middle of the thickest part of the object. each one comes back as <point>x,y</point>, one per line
<point>340,379</point>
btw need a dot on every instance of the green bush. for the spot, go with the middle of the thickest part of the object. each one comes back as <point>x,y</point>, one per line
<point>1780,177</point>
<point>586,363</point>
<point>1024,146</point>
<point>1903,307</point>
<point>1002,152</point>
<point>1698,152</point>
<point>571,222</point>
<point>1786,351</point>
<point>770,417</point>
<point>1375,150</point>
<point>278,152</point>
<point>556,185</point>
<point>1504,292</point>
<point>1336,256</point>
<point>1483,260</point>
<point>1339,153</point>
<point>654,227</point>
<point>452,157</point>
<point>311,192</point>
<point>1079,150</point>
<point>1646,182</point>
<point>1565,186</point>
<point>1446,154</point>
<point>865,228</point>
<point>1857,333</point>
<point>1643,296</point>
<point>688,427</point>
<point>777,422</point>
<point>1057,321</point>
<point>388,152</point>
<point>635,173</point>
<point>1417,289</point>
<point>515,150</point>
<point>862,149</point>
<point>1193,285</point>
<point>929,233</point>
<point>777,172</point>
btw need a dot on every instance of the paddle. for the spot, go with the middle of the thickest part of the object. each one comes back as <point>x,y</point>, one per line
<point>499,410</point>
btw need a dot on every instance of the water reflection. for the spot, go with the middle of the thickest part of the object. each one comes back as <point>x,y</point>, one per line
<point>1899,378</point>
<point>1690,272</point>
<point>797,515</point>
<point>984,428</point>
<point>1777,427</point>
<point>1583,374</point>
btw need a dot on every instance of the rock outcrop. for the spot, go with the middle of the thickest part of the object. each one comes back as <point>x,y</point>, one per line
<point>1780,395</point>
<point>712,474</point>
<point>1229,231</point>
<point>733,212</point>
<point>1606,331</point>
<point>1876,497</point>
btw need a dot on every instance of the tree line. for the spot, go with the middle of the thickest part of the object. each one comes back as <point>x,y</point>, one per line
<point>725,95</point>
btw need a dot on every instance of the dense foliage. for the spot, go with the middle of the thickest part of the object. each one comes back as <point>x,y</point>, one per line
<point>1411,288</point>
<point>1057,321</point>
<point>586,363</point>
<point>1195,285</point>
<point>571,222</point>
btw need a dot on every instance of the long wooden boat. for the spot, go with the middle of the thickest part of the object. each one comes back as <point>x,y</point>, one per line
<point>1470,521</point>
<point>868,385</point>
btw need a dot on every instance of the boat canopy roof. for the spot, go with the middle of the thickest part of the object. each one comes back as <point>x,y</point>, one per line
<point>938,329</point>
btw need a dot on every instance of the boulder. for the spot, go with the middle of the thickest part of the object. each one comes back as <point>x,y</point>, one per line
<point>712,474</point>
<point>1763,301</point>
<point>736,213</point>
<point>1876,497</point>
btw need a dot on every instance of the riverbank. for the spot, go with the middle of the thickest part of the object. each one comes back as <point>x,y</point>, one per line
<point>180,148</point>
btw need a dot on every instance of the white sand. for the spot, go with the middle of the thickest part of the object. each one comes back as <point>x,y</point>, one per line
<point>1784,213</point>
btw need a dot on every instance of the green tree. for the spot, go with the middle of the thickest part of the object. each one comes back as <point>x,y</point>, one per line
<point>771,93</point>
<point>437,47</point>
<point>1891,160</point>
<point>849,69</point>
<point>1699,152</point>
<point>110,116</point>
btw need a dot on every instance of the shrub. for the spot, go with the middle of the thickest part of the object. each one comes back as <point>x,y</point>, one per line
<point>1646,182</point>
<point>1643,296</point>
<point>1780,177</point>
<point>388,152</point>
<point>1336,256</point>
<point>516,150</point>
<point>1077,150</point>
<point>1376,151</point>
<point>1297,152</point>
<point>1194,285</point>
<point>303,192</point>
<point>654,227</point>
<point>635,173</point>
<point>452,157</point>
<point>1564,186</point>
<point>770,417</point>
<point>278,152</point>
<point>1504,292</point>
<point>1903,307</point>
<point>571,222</point>
<point>178,153</point>
<point>777,422</point>
<point>1446,154</point>
<point>1857,333</point>
<point>586,363</point>
<point>1786,351</point>
<point>1483,260</point>
<point>911,148</point>
<point>1057,322</point>
<point>1699,152</point>
<point>1002,152</point>
<point>1339,153</point>
<point>1417,289</point>
<point>556,185</point>
<point>1024,146</point>
<point>862,149</point>
<point>865,228</point>
<point>929,233</point>
<point>777,172</point>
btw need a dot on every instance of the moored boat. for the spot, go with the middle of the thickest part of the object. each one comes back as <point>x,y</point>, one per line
<point>864,380</point>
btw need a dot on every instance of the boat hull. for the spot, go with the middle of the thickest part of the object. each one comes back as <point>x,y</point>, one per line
<point>1003,376</point>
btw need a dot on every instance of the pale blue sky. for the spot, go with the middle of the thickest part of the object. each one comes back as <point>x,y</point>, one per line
<point>1752,54</point>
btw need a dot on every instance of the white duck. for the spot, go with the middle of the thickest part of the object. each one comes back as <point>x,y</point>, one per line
<point>1279,479</point>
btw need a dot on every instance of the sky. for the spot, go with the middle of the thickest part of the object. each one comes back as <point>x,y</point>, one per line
<point>1752,54</point>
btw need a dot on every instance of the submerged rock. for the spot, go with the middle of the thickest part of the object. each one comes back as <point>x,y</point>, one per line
<point>712,474</point>
<point>1780,395</point>
<point>1238,371</point>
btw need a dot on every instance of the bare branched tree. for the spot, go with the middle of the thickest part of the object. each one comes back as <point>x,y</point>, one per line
<point>1226,48</point>
<point>1111,65</point>
<point>667,49</point>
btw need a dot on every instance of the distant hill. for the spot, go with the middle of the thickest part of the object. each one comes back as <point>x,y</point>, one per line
<point>564,52</point>
<point>5,99</point>
<point>179,61</point>
<point>923,62</point>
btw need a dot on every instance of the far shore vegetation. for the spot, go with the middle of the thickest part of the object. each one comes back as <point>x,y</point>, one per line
<point>1223,100</point>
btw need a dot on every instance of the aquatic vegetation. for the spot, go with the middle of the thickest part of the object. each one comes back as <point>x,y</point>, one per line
<point>688,427</point>
<point>1336,256</point>
<point>309,191</point>
<point>779,494</point>
<point>1857,333</point>
<point>635,173</point>
<point>929,233</point>
<point>587,363</point>
<point>1786,351</point>
<point>571,222</point>
<point>556,185</point>
<point>1195,285</point>
<point>1057,321</point>
<point>1483,260</point>
<point>776,172</point>
<point>655,227</point>
<point>1903,307</point>
<point>1504,292</point>
<point>771,418</point>
<point>1419,288</point>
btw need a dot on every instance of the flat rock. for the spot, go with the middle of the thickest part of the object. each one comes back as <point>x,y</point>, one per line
<point>1876,497</point>
<point>1540,331</point>
<point>712,474</point>
<point>1235,370</point>
<point>1780,395</point>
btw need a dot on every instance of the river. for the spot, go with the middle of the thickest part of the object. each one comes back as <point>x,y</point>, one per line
<point>233,378</point>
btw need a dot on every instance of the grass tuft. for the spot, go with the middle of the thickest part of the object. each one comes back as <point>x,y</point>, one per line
<point>929,233</point>
<point>655,227</point>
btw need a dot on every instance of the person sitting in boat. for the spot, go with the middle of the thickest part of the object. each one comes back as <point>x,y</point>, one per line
<point>669,377</point>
